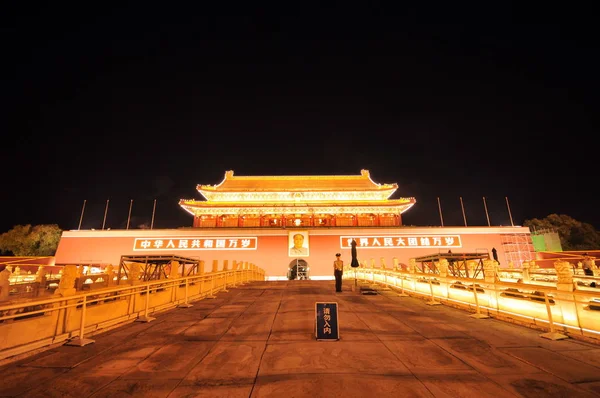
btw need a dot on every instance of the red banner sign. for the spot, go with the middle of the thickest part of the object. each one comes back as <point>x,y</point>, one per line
<point>402,241</point>
<point>195,243</point>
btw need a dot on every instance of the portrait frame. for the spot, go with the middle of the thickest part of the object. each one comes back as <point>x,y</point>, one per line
<point>305,248</point>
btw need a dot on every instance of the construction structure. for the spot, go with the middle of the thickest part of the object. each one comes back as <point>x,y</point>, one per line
<point>153,268</point>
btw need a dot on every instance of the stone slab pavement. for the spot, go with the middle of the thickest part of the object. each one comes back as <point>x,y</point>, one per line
<point>258,340</point>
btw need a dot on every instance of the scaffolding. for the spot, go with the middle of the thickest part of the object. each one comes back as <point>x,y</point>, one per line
<point>158,267</point>
<point>517,248</point>
<point>461,265</point>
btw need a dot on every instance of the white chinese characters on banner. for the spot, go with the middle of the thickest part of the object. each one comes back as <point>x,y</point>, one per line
<point>196,243</point>
<point>402,241</point>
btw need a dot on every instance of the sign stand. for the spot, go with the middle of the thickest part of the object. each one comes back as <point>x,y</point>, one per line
<point>326,321</point>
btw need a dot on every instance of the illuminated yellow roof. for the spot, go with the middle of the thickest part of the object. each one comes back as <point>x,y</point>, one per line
<point>396,206</point>
<point>360,182</point>
<point>242,205</point>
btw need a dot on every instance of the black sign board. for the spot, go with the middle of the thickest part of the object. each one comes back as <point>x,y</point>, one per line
<point>327,327</point>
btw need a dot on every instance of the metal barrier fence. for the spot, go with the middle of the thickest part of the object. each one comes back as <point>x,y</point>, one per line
<point>34,324</point>
<point>561,313</point>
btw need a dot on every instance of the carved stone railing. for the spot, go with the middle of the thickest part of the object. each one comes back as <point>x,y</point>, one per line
<point>562,308</point>
<point>28,325</point>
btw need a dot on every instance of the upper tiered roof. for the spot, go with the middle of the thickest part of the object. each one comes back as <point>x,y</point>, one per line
<point>244,185</point>
<point>297,194</point>
<point>233,183</point>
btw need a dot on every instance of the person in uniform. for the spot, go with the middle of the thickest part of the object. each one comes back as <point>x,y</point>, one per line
<point>338,271</point>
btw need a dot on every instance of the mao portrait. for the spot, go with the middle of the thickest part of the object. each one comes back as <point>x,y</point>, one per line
<point>298,243</point>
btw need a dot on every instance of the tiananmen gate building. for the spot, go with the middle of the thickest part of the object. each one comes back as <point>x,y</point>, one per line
<point>277,222</point>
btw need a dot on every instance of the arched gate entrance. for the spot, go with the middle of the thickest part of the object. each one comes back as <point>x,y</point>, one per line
<point>298,269</point>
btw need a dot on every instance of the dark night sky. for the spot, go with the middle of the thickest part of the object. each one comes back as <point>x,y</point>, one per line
<point>143,102</point>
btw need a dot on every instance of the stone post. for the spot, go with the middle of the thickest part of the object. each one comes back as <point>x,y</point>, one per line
<point>489,271</point>
<point>533,266</point>
<point>201,267</point>
<point>215,266</point>
<point>564,296</point>
<point>4,284</point>
<point>525,266</point>
<point>564,276</point>
<point>595,269</point>
<point>373,263</point>
<point>226,264</point>
<point>382,260</point>
<point>40,275</point>
<point>66,286</point>
<point>396,266</point>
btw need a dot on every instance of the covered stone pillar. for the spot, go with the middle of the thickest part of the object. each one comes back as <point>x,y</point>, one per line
<point>443,267</point>
<point>110,274</point>
<point>174,272</point>
<point>471,265</point>
<point>135,270</point>
<point>412,265</point>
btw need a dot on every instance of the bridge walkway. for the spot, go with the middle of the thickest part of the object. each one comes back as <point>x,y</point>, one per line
<point>258,340</point>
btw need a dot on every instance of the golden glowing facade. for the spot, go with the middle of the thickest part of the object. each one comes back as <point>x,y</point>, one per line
<point>297,201</point>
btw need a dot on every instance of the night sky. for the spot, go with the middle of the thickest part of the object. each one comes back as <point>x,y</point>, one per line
<point>144,102</point>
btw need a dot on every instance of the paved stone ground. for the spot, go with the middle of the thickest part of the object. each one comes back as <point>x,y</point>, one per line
<point>258,340</point>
